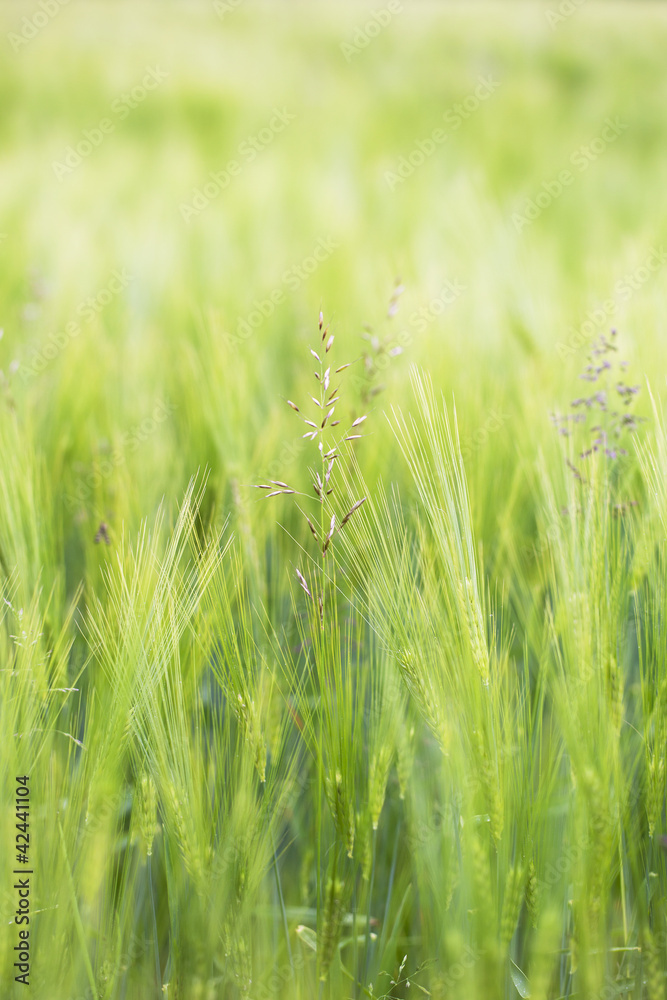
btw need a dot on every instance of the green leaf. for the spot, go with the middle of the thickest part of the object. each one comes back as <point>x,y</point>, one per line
<point>308,936</point>
<point>519,979</point>
<point>653,882</point>
<point>361,939</point>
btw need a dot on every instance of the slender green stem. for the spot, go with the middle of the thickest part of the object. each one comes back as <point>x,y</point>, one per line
<point>158,975</point>
<point>367,956</point>
<point>282,906</point>
<point>77,917</point>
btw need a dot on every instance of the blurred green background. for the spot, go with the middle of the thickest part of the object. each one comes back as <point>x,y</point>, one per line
<point>502,163</point>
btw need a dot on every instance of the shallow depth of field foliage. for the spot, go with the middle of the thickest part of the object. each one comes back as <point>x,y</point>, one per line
<point>430,761</point>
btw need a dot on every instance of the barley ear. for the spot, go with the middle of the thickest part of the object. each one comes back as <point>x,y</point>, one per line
<point>147,813</point>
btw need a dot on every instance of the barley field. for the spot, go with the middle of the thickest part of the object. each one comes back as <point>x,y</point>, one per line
<point>333,500</point>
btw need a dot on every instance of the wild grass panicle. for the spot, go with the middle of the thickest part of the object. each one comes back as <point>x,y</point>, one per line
<point>605,420</point>
<point>331,517</point>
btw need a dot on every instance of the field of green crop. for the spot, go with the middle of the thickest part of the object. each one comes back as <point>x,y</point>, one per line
<point>333,500</point>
